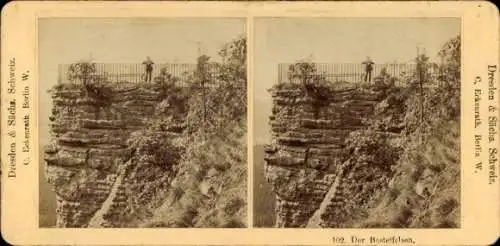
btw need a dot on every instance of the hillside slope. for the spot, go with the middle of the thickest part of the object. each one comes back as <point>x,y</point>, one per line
<point>404,169</point>
<point>209,189</point>
<point>424,193</point>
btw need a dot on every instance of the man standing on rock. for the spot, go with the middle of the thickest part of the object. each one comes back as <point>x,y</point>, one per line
<point>368,69</point>
<point>149,69</point>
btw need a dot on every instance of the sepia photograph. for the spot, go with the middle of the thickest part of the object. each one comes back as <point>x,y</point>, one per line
<point>357,122</point>
<point>142,122</point>
<point>249,123</point>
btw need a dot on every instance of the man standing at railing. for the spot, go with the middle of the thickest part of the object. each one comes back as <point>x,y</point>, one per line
<point>149,69</point>
<point>368,69</point>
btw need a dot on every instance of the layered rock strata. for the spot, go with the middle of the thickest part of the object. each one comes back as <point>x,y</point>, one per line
<point>305,156</point>
<point>88,147</point>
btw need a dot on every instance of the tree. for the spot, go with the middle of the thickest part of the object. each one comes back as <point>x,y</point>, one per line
<point>94,85</point>
<point>449,69</point>
<point>234,55</point>
<point>422,64</point>
<point>166,78</point>
<point>81,72</point>
<point>232,80</point>
<point>202,75</point>
<point>219,88</point>
<point>305,72</point>
<point>315,85</point>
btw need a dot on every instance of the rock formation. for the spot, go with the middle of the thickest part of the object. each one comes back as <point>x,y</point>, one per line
<point>88,151</point>
<point>304,161</point>
<point>122,155</point>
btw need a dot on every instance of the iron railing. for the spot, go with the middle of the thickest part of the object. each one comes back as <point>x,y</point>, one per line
<point>133,73</point>
<point>355,73</point>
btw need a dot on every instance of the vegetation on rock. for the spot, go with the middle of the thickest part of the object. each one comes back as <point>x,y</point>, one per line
<point>422,150</point>
<point>398,163</point>
<point>179,151</point>
<point>208,188</point>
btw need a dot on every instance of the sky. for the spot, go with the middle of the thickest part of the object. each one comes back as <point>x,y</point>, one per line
<point>337,40</point>
<point>172,40</point>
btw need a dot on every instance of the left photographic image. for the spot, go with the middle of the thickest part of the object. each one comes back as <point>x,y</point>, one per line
<point>142,122</point>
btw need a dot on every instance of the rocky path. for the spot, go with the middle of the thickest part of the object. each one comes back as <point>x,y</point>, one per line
<point>97,220</point>
<point>315,220</point>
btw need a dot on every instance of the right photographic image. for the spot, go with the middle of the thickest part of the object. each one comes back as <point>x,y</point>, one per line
<point>356,122</point>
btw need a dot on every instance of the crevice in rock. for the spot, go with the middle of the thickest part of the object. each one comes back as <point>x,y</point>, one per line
<point>98,219</point>
<point>315,220</point>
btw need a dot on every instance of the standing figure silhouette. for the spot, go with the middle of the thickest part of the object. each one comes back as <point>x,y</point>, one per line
<point>149,69</point>
<point>368,69</point>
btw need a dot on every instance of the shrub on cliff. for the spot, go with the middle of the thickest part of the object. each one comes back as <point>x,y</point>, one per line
<point>171,112</point>
<point>313,83</point>
<point>372,148</point>
<point>95,86</point>
<point>304,75</point>
<point>369,161</point>
<point>166,79</point>
<point>155,156</point>
<point>156,147</point>
<point>389,114</point>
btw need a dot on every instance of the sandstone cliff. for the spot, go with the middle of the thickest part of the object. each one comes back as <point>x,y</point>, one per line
<point>119,155</point>
<point>167,153</point>
<point>362,156</point>
<point>305,159</point>
<point>89,147</point>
